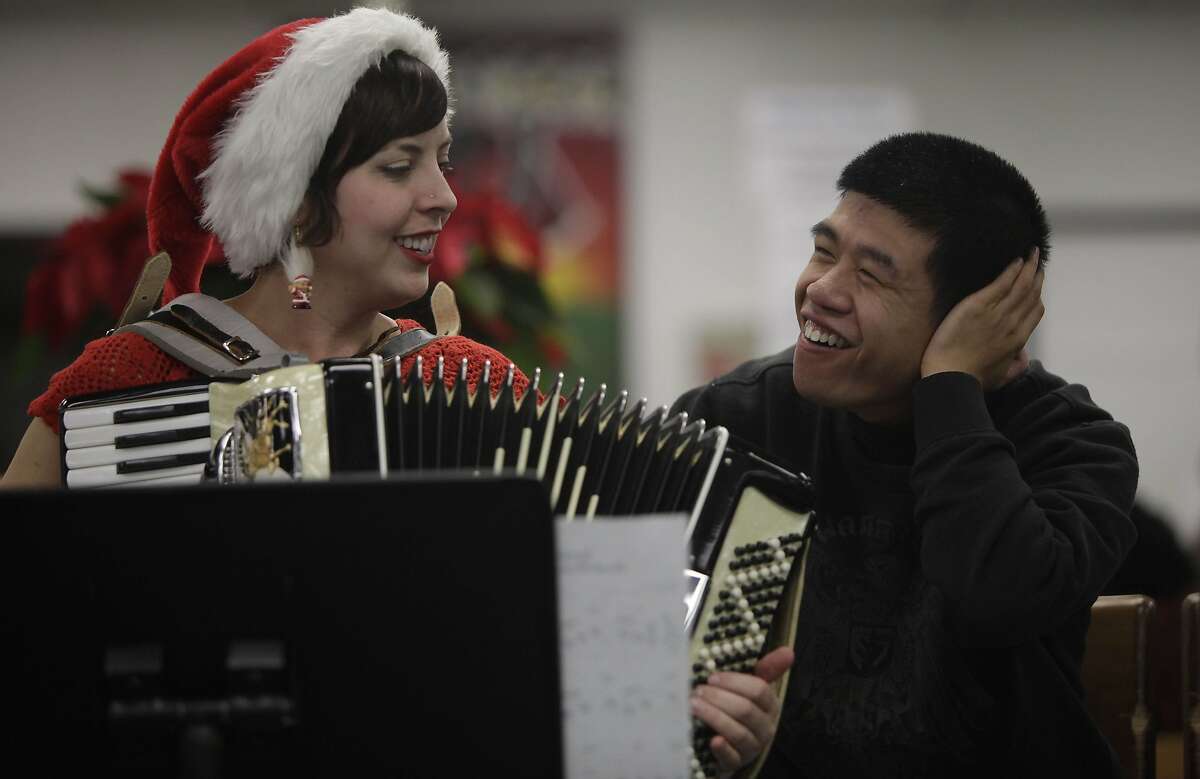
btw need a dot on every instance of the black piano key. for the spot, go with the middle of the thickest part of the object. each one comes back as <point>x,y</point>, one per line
<point>160,437</point>
<point>161,463</point>
<point>159,412</point>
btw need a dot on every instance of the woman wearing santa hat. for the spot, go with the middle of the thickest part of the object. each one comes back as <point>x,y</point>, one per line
<point>313,160</point>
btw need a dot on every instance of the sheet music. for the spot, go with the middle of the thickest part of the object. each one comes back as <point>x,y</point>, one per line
<point>623,649</point>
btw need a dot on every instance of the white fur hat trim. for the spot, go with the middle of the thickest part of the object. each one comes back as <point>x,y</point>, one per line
<point>265,155</point>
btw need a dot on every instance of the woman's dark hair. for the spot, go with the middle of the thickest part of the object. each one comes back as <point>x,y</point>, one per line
<point>399,97</point>
<point>979,209</point>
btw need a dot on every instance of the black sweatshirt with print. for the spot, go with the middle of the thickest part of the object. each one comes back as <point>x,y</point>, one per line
<point>952,573</point>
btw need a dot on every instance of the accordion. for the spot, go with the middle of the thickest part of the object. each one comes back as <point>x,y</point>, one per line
<point>598,455</point>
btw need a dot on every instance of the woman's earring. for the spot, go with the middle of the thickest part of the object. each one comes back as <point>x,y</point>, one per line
<point>298,263</point>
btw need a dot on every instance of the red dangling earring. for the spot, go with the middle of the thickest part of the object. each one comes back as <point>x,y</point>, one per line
<point>298,263</point>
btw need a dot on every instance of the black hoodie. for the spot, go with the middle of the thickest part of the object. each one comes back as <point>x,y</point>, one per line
<point>952,574</point>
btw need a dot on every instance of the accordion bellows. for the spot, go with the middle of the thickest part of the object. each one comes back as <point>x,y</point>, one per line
<point>594,453</point>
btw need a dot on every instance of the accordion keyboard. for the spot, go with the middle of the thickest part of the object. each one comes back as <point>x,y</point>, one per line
<point>751,602</point>
<point>157,439</point>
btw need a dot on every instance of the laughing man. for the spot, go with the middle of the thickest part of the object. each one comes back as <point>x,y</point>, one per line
<point>971,504</point>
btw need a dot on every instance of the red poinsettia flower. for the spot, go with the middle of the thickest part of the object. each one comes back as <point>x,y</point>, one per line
<point>552,350</point>
<point>486,227</point>
<point>95,263</point>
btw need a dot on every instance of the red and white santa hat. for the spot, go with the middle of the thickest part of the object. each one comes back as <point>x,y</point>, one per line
<point>239,157</point>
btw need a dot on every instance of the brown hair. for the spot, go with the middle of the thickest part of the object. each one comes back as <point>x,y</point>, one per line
<point>399,97</point>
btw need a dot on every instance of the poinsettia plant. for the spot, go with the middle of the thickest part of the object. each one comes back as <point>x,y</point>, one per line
<point>493,259</point>
<point>93,266</point>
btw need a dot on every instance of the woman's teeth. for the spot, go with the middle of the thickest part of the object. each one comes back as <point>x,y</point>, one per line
<point>418,243</point>
<point>819,336</point>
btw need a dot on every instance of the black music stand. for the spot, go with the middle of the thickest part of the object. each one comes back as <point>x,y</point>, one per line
<point>405,627</point>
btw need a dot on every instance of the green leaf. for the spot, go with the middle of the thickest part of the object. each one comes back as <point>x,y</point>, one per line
<point>479,293</point>
<point>104,198</point>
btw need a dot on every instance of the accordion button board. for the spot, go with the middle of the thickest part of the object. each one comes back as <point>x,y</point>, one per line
<point>751,603</point>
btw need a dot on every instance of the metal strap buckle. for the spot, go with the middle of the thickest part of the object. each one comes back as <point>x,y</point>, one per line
<point>238,349</point>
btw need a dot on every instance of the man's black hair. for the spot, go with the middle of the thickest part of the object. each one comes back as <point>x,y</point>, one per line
<point>979,209</point>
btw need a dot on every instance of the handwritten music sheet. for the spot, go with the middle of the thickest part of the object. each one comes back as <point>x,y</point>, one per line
<point>622,647</point>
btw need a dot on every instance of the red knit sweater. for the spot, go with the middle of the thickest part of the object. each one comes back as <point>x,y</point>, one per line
<point>128,360</point>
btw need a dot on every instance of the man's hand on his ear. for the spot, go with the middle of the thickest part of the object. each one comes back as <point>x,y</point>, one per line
<point>985,334</point>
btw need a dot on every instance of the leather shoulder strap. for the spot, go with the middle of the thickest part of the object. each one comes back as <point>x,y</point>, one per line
<point>403,344</point>
<point>446,320</point>
<point>211,338</point>
<point>148,289</point>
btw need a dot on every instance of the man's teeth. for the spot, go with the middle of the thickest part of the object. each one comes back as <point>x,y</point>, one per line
<point>819,336</point>
<point>418,243</point>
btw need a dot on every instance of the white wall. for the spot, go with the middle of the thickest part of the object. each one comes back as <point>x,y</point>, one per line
<point>1123,319</point>
<point>82,99</point>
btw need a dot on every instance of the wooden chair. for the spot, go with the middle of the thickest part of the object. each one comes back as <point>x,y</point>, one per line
<point>1116,679</point>
<point>1191,686</point>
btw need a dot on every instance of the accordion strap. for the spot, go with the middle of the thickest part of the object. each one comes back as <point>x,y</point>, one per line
<point>211,338</point>
<point>402,344</point>
<point>148,289</point>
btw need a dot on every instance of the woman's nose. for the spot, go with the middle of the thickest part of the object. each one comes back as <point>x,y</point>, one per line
<point>439,196</point>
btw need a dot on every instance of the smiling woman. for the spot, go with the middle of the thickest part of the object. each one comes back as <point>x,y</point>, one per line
<point>312,161</point>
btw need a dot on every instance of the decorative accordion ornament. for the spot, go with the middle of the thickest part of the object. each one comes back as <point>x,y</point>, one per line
<point>602,455</point>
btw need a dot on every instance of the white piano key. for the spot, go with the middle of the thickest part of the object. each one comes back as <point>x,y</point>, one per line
<point>164,481</point>
<point>107,434</point>
<point>103,415</point>
<point>109,455</point>
<point>101,475</point>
